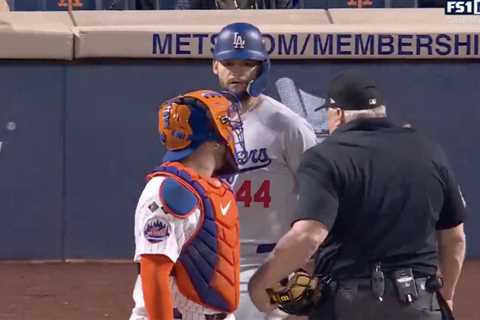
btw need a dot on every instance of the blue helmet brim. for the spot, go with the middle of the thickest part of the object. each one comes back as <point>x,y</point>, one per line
<point>239,55</point>
<point>177,155</point>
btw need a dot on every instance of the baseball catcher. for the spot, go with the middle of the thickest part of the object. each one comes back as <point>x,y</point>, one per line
<point>186,223</point>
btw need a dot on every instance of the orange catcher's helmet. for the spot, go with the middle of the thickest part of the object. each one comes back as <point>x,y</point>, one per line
<point>187,121</point>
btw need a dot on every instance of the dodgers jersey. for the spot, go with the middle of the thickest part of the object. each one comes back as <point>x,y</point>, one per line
<point>275,139</point>
<point>157,232</point>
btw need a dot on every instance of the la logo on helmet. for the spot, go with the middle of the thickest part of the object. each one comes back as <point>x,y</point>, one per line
<point>238,42</point>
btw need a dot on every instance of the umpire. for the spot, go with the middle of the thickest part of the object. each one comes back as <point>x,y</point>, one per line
<point>388,197</point>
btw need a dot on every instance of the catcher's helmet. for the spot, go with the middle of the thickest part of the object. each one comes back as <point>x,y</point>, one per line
<point>243,41</point>
<point>187,121</point>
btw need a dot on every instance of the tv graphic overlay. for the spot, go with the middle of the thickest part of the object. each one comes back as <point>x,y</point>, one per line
<point>462,7</point>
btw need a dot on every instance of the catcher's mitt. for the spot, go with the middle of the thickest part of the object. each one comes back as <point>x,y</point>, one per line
<point>296,294</point>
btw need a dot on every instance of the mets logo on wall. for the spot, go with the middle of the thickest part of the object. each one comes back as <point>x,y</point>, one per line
<point>156,230</point>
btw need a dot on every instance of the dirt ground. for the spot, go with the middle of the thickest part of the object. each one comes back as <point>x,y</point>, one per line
<point>95,291</point>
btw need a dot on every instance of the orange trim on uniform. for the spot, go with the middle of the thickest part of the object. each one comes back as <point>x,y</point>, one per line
<point>155,274</point>
<point>182,277</point>
<point>227,271</point>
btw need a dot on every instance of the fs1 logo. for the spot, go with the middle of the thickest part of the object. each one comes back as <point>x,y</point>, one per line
<point>465,7</point>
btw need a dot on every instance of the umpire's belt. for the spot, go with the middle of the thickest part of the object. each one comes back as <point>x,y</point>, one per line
<point>365,283</point>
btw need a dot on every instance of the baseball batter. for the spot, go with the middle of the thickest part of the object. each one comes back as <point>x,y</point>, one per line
<point>275,138</point>
<point>186,221</point>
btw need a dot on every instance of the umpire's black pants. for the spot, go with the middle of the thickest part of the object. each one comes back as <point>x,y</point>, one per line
<point>354,300</point>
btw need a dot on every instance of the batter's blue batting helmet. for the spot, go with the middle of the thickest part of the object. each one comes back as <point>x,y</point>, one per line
<point>243,41</point>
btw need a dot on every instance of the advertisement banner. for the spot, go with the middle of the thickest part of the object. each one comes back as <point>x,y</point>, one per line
<point>74,154</point>
<point>112,119</point>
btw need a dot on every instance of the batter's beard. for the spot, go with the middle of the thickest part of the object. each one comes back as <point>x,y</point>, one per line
<point>242,96</point>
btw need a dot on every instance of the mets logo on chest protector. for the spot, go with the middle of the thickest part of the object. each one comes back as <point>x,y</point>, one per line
<point>156,229</point>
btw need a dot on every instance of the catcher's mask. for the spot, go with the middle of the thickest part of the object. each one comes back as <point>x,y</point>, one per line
<point>187,121</point>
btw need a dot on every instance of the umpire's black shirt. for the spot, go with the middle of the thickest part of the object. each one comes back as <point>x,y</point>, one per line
<point>382,191</point>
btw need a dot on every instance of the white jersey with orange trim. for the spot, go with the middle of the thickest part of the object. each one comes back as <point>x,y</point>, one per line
<point>157,232</point>
<point>275,138</point>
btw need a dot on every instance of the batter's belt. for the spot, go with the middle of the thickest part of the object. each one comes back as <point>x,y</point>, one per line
<point>216,316</point>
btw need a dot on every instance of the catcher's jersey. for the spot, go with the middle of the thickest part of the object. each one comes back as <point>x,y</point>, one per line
<point>275,138</point>
<point>157,232</point>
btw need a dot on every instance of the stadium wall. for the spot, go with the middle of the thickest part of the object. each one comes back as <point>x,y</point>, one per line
<point>78,135</point>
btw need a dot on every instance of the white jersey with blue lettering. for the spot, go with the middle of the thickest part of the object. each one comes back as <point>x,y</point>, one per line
<point>266,190</point>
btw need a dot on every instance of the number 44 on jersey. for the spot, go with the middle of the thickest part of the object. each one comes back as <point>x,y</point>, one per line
<point>248,193</point>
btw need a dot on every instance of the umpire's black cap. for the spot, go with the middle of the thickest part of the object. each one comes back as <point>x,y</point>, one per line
<point>351,90</point>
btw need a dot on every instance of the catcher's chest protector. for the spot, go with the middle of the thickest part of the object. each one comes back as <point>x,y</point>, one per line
<point>208,269</point>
